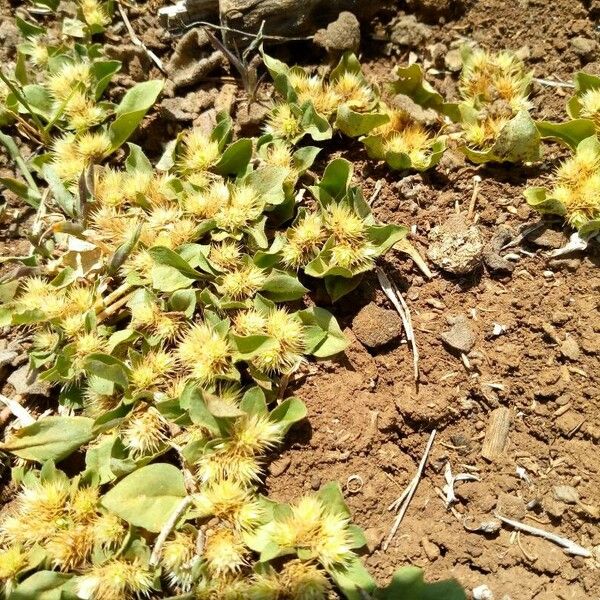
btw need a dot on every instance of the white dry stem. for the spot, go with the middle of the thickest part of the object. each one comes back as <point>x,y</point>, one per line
<point>473,202</point>
<point>18,410</point>
<point>568,545</point>
<point>136,40</point>
<point>406,496</point>
<point>575,243</point>
<point>551,83</point>
<point>395,297</point>
<point>167,528</point>
<point>451,480</point>
<point>376,191</point>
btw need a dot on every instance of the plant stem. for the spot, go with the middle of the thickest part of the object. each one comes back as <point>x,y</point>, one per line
<point>113,308</point>
<point>115,294</point>
<point>13,88</point>
<point>167,528</point>
<point>12,149</point>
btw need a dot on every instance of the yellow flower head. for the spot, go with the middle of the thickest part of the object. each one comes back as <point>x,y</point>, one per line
<point>108,530</point>
<point>178,558</point>
<point>226,254</point>
<point>590,105</point>
<point>250,322</point>
<point>482,134</point>
<point>254,435</point>
<point>94,13</point>
<point>353,91</point>
<point>66,159</point>
<point>487,77</point>
<point>314,527</point>
<point>285,354</point>
<point>82,112</point>
<point>344,224</point>
<point>38,53</point>
<point>243,282</point>
<point>71,548</point>
<point>303,241</point>
<point>144,432</point>
<point>198,152</point>
<point>12,560</point>
<point>84,504</point>
<point>95,404</point>
<point>71,76</point>
<point>244,206</point>
<point>283,123</point>
<point>224,553</point>
<point>151,369</point>
<point>226,464</point>
<point>205,353</point>
<point>38,294</point>
<point>354,257</point>
<point>93,146</point>
<point>305,581</point>
<point>108,190</point>
<point>115,579</point>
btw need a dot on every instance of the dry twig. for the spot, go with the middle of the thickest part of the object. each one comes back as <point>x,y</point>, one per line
<point>136,40</point>
<point>568,545</point>
<point>406,496</point>
<point>395,297</point>
<point>18,410</point>
<point>167,528</point>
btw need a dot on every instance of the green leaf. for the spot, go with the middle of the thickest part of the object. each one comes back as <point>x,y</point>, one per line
<point>137,160</point>
<point>290,411</point>
<point>282,287</point>
<point>254,402</point>
<point>64,198</point>
<point>305,157</point>
<point>518,141</point>
<point>569,133</point>
<point>192,400</point>
<point>50,438</point>
<point>537,198</point>
<point>223,130</point>
<point>337,286</point>
<point>353,580</point>
<point>102,72</point>
<point>28,30</point>
<point>268,182</point>
<point>45,585</point>
<point>314,124</point>
<point>148,496</point>
<point>165,256</point>
<point>331,496</point>
<point>108,368</point>
<point>411,82</point>
<point>407,583</point>
<point>132,109</point>
<point>348,63</point>
<point>323,334</point>
<point>21,189</point>
<point>235,159</point>
<point>353,123</point>
<point>183,301</point>
<point>336,178</point>
<point>248,346</point>
<point>39,100</point>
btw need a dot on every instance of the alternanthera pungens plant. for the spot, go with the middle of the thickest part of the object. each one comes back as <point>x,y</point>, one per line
<point>493,109</point>
<point>163,296</point>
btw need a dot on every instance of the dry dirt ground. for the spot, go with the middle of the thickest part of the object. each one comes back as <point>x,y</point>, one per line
<point>535,337</point>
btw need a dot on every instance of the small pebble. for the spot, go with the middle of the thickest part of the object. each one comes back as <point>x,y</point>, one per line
<point>431,550</point>
<point>565,493</point>
<point>570,348</point>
